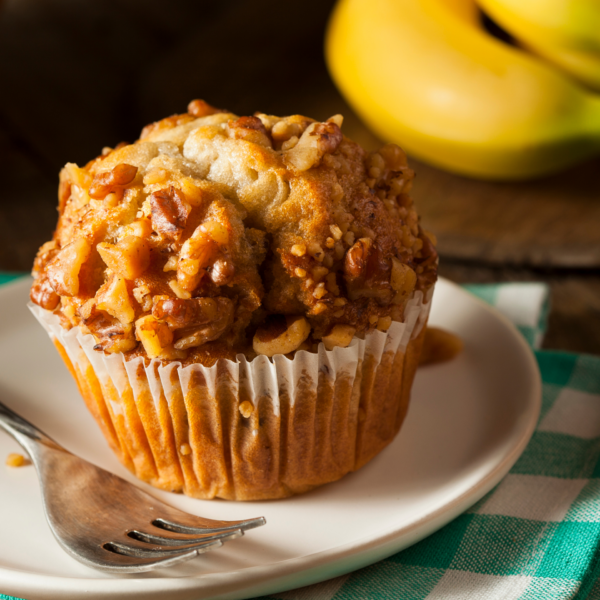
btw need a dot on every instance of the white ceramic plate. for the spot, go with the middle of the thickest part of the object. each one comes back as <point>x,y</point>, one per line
<point>469,420</point>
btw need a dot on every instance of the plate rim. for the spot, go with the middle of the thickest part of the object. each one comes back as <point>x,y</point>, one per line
<point>317,566</point>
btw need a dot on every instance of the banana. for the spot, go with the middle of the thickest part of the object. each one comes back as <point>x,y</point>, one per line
<point>424,74</point>
<point>565,32</point>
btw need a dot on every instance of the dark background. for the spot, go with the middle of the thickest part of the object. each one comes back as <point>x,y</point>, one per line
<point>78,75</point>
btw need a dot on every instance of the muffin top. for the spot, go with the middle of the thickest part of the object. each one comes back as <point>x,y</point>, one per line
<point>215,235</point>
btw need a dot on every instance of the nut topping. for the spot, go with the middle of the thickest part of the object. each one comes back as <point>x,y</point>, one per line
<point>317,140</point>
<point>355,264</point>
<point>112,181</point>
<point>280,335</point>
<point>43,295</point>
<point>169,212</point>
<point>129,258</point>
<point>250,129</point>
<point>63,270</point>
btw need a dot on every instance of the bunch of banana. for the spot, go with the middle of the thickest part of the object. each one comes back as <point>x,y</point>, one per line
<point>425,74</point>
<point>565,32</point>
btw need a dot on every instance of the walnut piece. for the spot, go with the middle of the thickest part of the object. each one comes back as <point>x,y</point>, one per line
<point>43,295</point>
<point>156,337</point>
<point>355,264</point>
<point>112,181</point>
<point>113,297</point>
<point>317,140</point>
<point>197,320</point>
<point>250,129</point>
<point>63,270</point>
<point>110,335</point>
<point>129,258</point>
<point>222,271</point>
<point>197,253</point>
<point>169,212</point>
<point>403,281</point>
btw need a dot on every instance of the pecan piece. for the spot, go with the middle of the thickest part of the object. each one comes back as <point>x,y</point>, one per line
<point>170,212</point>
<point>43,295</point>
<point>112,181</point>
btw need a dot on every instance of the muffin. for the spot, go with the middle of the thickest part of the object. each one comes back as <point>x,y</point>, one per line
<point>241,300</point>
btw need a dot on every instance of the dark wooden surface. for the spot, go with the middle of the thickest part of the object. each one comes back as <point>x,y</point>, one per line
<point>77,76</point>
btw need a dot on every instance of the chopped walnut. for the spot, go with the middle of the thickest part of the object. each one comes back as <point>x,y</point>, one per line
<point>110,335</point>
<point>179,313</point>
<point>197,254</point>
<point>403,281</point>
<point>63,270</point>
<point>367,272</point>
<point>357,257</point>
<point>250,129</point>
<point>170,212</point>
<point>113,297</point>
<point>317,140</point>
<point>43,294</point>
<point>156,337</point>
<point>222,271</point>
<point>129,258</point>
<point>112,181</point>
<point>196,320</point>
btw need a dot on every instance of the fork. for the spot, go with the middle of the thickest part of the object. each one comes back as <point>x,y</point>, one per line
<point>106,522</point>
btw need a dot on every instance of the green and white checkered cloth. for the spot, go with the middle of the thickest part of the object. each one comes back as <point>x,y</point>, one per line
<point>537,534</point>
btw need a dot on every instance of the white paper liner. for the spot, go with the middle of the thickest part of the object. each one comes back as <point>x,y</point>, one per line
<point>256,381</point>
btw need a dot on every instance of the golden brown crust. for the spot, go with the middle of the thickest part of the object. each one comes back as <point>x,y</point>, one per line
<point>252,216</point>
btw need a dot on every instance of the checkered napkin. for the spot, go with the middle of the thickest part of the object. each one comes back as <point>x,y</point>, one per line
<point>537,534</point>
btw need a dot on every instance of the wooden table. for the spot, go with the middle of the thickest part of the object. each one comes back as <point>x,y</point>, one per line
<point>77,76</point>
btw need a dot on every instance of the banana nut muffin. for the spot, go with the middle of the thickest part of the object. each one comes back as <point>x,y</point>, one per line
<point>215,236</point>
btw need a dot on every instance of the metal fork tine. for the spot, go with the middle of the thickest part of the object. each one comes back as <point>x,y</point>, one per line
<point>160,551</point>
<point>227,526</point>
<point>181,540</point>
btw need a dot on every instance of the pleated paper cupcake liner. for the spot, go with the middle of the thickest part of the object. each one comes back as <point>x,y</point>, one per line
<point>249,429</point>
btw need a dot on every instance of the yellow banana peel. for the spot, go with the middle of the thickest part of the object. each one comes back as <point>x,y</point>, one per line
<point>424,74</point>
<point>565,32</point>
